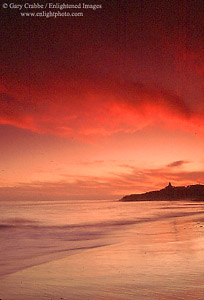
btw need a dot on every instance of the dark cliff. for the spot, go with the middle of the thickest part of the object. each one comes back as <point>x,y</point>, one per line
<point>190,192</point>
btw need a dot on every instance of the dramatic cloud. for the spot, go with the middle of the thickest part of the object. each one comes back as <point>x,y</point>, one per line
<point>95,107</point>
<point>147,68</point>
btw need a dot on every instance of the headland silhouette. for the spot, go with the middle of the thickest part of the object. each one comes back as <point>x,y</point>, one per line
<point>170,192</point>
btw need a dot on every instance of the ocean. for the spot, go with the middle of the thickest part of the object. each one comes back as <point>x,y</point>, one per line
<point>101,249</point>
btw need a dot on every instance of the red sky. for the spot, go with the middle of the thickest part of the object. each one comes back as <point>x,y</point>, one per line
<point>103,105</point>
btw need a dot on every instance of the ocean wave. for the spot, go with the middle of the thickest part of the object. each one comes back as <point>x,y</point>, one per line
<point>26,223</point>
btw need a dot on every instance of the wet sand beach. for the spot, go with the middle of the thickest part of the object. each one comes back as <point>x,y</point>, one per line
<point>133,254</point>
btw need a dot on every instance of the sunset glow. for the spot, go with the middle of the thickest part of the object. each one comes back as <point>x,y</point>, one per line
<point>103,106</point>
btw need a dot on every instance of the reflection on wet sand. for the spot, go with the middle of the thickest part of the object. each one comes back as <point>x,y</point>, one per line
<point>160,256</point>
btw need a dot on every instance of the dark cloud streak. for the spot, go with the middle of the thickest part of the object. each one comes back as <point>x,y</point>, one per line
<point>177,163</point>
